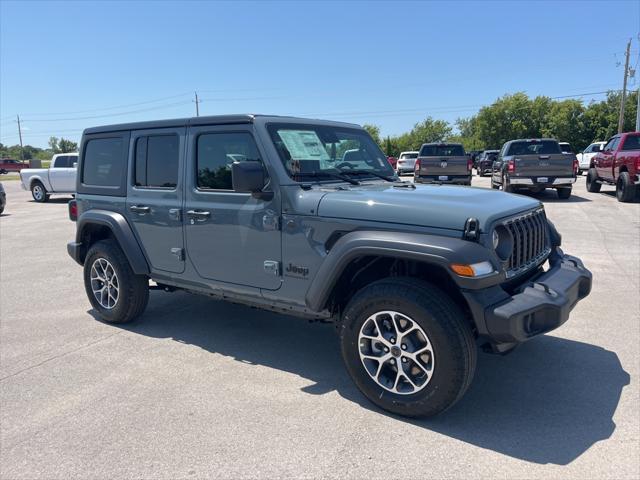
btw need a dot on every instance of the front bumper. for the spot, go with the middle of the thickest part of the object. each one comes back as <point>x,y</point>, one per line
<point>540,304</point>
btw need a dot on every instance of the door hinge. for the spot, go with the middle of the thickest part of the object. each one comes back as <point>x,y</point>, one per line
<point>272,267</point>
<point>178,252</point>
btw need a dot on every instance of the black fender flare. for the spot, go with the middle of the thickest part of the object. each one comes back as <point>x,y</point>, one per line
<point>122,232</point>
<point>426,248</point>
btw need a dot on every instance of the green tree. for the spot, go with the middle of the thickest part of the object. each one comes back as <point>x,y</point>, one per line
<point>66,146</point>
<point>374,131</point>
<point>53,144</point>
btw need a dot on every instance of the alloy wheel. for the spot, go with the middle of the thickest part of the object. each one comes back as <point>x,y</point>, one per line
<point>104,283</point>
<point>396,352</point>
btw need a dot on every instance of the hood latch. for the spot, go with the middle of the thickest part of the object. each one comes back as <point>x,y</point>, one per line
<point>471,230</point>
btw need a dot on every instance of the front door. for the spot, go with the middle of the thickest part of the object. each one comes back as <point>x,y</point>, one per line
<point>231,237</point>
<point>154,195</point>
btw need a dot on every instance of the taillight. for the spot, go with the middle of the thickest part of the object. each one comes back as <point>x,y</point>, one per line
<point>576,165</point>
<point>73,210</point>
<point>469,164</point>
<point>416,168</point>
<point>512,166</point>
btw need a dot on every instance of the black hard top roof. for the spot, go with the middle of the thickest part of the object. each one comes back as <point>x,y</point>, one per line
<point>210,120</point>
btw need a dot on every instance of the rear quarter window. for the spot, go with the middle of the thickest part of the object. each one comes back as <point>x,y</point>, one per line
<point>104,164</point>
<point>632,142</point>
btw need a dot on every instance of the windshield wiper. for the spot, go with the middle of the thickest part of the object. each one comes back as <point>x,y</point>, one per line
<point>325,173</point>
<point>369,172</point>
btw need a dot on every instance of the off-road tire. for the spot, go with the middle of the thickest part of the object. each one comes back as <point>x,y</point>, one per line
<point>39,193</point>
<point>592,185</point>
<point>564,193</point>
<point>445,324</point>
<point>625,189</point>
<point>133,294</point>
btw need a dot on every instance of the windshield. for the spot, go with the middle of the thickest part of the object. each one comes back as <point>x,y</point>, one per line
<point>544,147</point>
<point>442,151</point>
<point>409,155</point>
<point>314,151</point>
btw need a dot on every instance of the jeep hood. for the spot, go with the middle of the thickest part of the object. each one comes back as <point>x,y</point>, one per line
<point>439,206</point>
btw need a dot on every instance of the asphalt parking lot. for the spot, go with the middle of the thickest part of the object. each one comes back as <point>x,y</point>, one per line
<point>198,388</point>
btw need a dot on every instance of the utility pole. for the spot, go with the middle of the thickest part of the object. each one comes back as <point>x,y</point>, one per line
<point>20,135</point>
<point>624,89</point>
<point>197,106</point>
<point>638,112</point>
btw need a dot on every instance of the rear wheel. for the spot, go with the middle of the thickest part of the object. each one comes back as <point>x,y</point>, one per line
<point>506,186</point>
<point>39,193</point>
<point>115,292</point>
<point>592,185</point>
<point>408,347</point>
<point>564,192</point>
<point>625,189</point>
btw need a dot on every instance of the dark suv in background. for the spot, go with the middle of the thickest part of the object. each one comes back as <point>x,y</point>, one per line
<point>485,161</point>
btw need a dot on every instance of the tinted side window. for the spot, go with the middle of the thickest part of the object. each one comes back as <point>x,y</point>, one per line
<point>61,162</point>
<point>156,162</point>
<point>632,142</point>
<point>215,154</point>
<point>104,162</point>
<point>613,143</point>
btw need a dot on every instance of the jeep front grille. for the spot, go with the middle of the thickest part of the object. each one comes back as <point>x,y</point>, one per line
<point>530,245</point>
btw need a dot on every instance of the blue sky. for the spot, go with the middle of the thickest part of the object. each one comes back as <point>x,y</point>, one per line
<point>65,66</point>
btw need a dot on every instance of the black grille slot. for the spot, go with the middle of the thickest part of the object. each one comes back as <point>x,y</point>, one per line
<point>529,234</point>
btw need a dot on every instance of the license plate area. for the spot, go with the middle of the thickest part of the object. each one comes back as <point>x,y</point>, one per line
<point>543,180</point>
<point>443,177</point>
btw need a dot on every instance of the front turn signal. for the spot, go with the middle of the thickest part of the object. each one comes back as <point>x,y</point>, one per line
<point>473,270</point>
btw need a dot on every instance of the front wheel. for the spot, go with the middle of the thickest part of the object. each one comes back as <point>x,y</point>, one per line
<point>39,193</point>
<point>408,347</point>
<point>592,185</point>
<point>115,292</point>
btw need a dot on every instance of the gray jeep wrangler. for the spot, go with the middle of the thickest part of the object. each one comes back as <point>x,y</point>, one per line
<point>306,218</point>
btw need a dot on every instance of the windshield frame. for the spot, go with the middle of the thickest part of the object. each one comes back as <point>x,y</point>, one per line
<point>385,169</point>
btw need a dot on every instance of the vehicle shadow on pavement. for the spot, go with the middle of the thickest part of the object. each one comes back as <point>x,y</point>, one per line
<point>55,200</point>
<point>612,193</point>
<point>550,196</point>
<point>547,402</point>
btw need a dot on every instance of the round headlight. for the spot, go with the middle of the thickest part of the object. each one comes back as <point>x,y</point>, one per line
<point>502,242</point>
<point>496,240</point>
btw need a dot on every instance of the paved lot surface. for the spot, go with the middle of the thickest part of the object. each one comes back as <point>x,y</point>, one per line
<point>199,388</point>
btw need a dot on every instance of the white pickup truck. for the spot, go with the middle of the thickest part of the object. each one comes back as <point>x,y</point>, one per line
<point>584,158</point>
<point>59,178</point>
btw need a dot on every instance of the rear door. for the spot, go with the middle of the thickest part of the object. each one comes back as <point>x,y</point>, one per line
<point>540,159</point>
<point>231,237</point>
<point>443,160</point>
<point>62,173</point>
<point>154,195</point>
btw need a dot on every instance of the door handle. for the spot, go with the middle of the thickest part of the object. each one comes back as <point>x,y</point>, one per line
<point>139,209</point>
<point>199,215</point>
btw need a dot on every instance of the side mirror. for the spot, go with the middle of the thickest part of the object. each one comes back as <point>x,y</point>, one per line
<point>248,177</point>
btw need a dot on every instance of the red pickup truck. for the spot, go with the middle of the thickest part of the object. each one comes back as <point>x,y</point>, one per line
<point>618,164</point>
<point>10,165</point>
